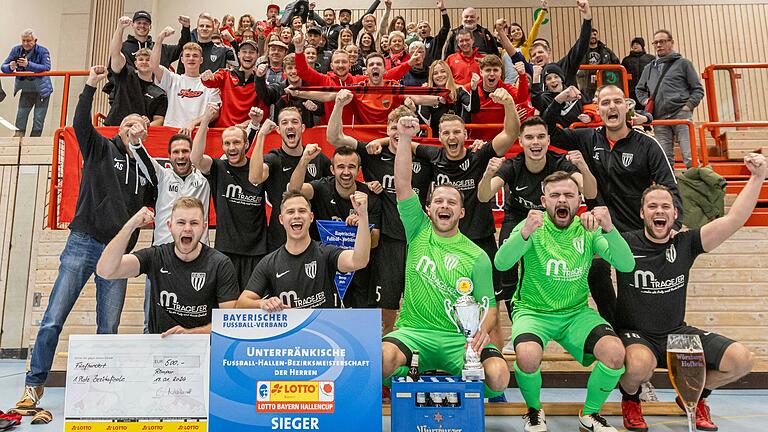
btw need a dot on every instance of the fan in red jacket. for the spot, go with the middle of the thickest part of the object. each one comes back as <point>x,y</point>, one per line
<point>465,61</point>
<point>491,69</point>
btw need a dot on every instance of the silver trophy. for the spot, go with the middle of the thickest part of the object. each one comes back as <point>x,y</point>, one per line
<point>466,315</point>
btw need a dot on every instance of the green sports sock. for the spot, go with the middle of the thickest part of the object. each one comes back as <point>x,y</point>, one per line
<point>530,386</point>
<point>601,383</point>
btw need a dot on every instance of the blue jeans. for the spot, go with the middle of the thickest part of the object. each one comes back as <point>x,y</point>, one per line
<point>28,100</point>
<point>78,262</point>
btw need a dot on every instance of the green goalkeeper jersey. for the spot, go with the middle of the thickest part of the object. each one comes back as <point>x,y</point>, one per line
<point>554,263</point>
<point>435,267</point>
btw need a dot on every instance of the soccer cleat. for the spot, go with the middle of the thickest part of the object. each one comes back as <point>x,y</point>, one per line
<point>30,398</point>
<point>633,416</point>
<point>509,348</point>
<point>703,418</point>
<point>594,423</point>
<point>535,421</point>
<point>648,393</point>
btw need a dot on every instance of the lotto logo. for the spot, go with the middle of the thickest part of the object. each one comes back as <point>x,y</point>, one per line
<point>295,396</point>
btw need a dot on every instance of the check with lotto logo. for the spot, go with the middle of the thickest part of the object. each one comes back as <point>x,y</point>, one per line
<point>294,396</point>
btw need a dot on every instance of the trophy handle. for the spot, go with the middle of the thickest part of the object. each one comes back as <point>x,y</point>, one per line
<point>447,304</point>
<point>486,304</point>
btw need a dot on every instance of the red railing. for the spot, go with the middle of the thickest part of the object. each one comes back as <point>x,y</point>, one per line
<point>65,92</point>
<point>625,76</point>
<point>672,122</point>
<point>716,125</point>
<point>711,91</point>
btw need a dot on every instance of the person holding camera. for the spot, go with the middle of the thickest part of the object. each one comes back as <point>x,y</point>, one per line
<point>35,91</point>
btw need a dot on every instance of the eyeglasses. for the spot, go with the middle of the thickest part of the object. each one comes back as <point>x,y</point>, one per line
<point>660,42</point>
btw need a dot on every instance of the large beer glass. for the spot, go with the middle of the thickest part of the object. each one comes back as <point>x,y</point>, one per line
<point>687,371</point>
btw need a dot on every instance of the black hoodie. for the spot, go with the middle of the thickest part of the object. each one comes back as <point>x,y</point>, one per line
<point>112,189</point>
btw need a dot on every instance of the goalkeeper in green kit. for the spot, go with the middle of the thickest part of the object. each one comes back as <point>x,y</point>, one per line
<point>441,266</point>
<point>555,249</point>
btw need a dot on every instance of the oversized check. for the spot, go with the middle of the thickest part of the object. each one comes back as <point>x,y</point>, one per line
<point>131,382</point>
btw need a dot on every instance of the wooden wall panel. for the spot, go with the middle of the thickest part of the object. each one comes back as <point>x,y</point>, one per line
<point>105,15</point>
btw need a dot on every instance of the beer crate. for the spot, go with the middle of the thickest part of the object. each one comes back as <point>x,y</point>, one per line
<point>408,415</point>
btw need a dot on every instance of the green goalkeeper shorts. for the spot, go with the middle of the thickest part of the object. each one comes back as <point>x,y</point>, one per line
<point>570,330</point>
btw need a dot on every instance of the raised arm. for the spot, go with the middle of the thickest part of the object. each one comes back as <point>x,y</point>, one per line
<point>719,230</point>
<point>157,53</point>
<point>114,262</point>
<point>517,243</point>
<point>587,180</point>
<point>198,157</point>
<point>307,74</point>
<point>490,184</point>
<point>258,171</point>
<point>334,133</point>
<point>507,137</point>
<point>297,177</point>
<point>84,130</point>
<point>116,57</point>
<point>505,42</point>
<point>384,24</point>
<point>407,128</point>
<point>357,258</point>
<point>146,163</point>
<point>580,48</point>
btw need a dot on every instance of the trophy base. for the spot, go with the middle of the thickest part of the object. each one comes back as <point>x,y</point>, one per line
<point>473,374</point>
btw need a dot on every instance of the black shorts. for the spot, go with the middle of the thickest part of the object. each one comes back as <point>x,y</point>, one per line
<point>388,272</point>
<point>713,343</point>
<point>244,266</point>
<point>488,244</point>
<point>508,279</point>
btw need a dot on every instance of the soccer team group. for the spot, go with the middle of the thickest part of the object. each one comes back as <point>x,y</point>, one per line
<point>433,240</point>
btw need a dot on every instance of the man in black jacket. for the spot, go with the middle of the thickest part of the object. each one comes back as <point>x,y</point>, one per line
<point>597,54</point>
<point>634,63</point>
<point>111,191</point>
<point>434,44</point>
<point>625,162</point>
<point>485,42</point>
<point>215,57</point>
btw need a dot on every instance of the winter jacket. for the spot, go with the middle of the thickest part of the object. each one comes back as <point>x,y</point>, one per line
<point>39,60</point>
<point>169,54</point>
<point>434,45</point>
<point>703,193</point>
<point>462,67</point>
<point>634,63</point>
<point>681,86</point>
<point>484,41</point>
<point>415,77</point>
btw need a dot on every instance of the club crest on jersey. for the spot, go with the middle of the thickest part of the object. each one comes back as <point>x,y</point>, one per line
<point>416,167</point>
<point>626,159</point>
<point>312,170</point>
<point>198,280</point>
<point>671,253</point>
<point>214,57</point>
<point>578,244</point>
<point>311,269</point>
<point>464,165</point>
<point>451,261</point>
<point>464,286</point>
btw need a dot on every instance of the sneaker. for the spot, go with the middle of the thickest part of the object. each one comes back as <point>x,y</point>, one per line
<point>648,393</point>
<point>703,418</point>
<point>30,398</point>
<point>633,416</point>
<point>509,348</point>
<point>594,423</point>
<point>535,421</point>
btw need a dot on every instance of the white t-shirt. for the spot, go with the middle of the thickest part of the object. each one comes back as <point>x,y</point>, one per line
<point>187,97</point>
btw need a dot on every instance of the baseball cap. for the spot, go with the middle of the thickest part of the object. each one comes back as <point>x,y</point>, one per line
<point>142,14</point>
<point>278,43</point>
<point>341,11</point>
<point>250,42</point>
<point>273,6</point>
<point>315,29</point>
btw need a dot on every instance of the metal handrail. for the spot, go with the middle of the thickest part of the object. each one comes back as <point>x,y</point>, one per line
<point>711,91</point>
<point>67,74</point>
<point>716,125</point>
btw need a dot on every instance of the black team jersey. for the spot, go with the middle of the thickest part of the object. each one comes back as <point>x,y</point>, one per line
<point>651,299</point>
<point>327,204</point>
<point>300,281</point>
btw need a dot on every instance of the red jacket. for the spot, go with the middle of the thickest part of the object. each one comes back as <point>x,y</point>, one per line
<point>311,77</point>
<point>396,60</point>
<point>491,112</point>
<point>463,67</point>
<point>238,95</point>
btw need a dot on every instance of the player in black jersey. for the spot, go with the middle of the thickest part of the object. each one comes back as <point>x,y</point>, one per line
<point>624,161</point>
<point>241,218</point>
<point>300,273</point>
<point>651,299</point>
<point>330,200</point>
<point>274,169</point>
<point>388,261</point>
<point>189,279</point>
<point>523,175</point>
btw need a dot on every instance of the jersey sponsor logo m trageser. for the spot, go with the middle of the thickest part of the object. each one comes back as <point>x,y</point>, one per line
<point>645,280</point>
<point>167,298</point>
<point>288,298</point>
<point>426,265</point>
<point>555,266</point>
<point>671,253</point>
<point>198,280</point>
<point>442,179</point>
<point>388,182</point>
<point>311,269</point>
<point>558,270</point>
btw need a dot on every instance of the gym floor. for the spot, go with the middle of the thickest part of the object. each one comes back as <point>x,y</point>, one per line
<point>732,410</point>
